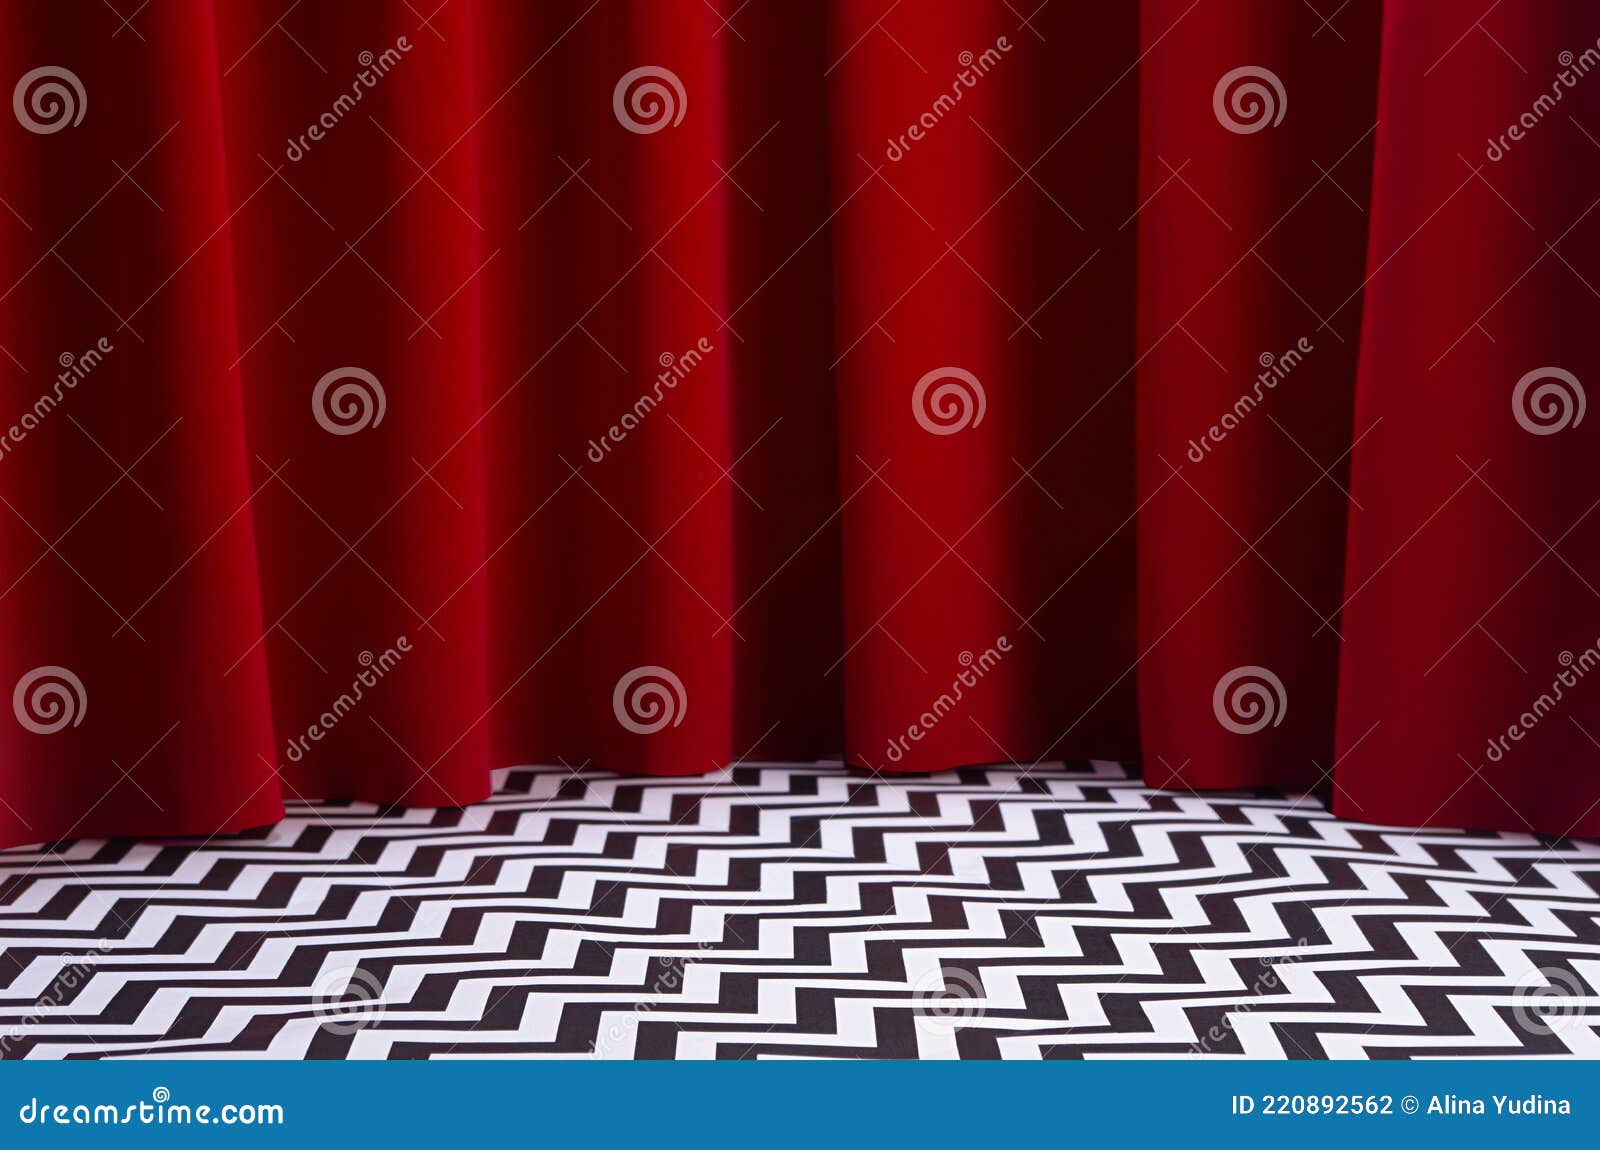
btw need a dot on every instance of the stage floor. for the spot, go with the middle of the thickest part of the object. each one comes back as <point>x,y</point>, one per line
<point>774,910</point>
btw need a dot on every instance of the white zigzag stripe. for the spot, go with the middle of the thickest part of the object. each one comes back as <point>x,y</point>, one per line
<point>781,910</point>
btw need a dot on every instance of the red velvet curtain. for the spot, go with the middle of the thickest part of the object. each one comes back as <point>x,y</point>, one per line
<point>401,390</point>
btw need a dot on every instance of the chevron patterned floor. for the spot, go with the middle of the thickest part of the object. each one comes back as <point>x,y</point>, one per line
<point>804,910</point>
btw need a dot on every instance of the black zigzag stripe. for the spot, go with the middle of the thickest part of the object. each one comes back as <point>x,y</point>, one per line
<point>800,910</point>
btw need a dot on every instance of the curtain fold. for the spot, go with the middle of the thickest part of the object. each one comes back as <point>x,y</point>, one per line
<point>395,396</point>
<point>1472,612</point>
<point>1250,308</point>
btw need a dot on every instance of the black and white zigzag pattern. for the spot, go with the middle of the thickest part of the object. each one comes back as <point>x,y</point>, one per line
<point>807,910</point>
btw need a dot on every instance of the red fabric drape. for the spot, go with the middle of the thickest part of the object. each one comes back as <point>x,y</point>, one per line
<point>394,395</point>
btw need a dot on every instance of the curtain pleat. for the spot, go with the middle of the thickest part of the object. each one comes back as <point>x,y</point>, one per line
<point>398,396</point>
<point>1472,612</point>
<point>1250,281</point>
<point>985,444</point>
